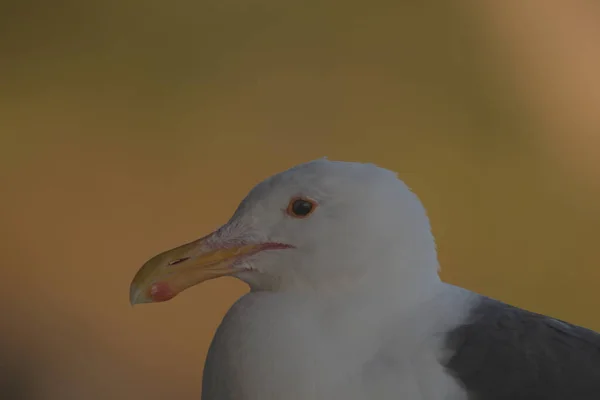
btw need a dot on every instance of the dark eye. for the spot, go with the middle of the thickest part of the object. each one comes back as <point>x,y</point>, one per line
<point>301,207</point>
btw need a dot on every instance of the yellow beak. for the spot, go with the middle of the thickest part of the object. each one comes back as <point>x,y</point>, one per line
<point>169,273</point>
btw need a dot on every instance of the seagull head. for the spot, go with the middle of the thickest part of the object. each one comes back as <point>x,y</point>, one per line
<point>320,225</point>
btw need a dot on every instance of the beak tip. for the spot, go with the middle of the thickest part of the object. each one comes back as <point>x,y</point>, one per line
<point>158,292</point>
<point>133,300</point>
<point>135,296</point>
<point>138,300</point>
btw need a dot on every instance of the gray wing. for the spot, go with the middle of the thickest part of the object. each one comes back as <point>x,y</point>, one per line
<point>507,353</point>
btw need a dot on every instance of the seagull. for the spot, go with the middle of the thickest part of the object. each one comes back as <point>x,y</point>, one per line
<point>346,303</point>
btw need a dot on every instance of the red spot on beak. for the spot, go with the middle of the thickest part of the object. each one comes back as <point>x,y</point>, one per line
<point>161,291</point>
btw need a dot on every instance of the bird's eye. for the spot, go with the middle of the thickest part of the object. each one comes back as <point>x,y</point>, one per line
<point>301,207</point>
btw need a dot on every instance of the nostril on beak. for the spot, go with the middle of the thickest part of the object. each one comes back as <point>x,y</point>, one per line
<point>179,260</point>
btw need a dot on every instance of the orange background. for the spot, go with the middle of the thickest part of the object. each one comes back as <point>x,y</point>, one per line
<point>127,128</point>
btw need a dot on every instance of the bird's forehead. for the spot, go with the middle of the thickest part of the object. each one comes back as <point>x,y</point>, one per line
<point>307,181</point>
<point>321,179</point>
<point>324,174</point>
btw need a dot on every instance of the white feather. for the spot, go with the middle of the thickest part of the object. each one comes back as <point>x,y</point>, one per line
<point>355,311</point>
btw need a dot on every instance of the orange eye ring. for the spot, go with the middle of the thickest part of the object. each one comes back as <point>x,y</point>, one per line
<point>301,207</point>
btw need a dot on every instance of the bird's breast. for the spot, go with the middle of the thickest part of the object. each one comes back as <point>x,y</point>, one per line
<point>272,347</point>
<point>269,351</point>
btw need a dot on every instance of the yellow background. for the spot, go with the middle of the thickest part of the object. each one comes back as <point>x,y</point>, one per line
<point>127,128</point>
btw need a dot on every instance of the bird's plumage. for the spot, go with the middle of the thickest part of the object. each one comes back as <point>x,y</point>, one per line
<point>353,307</point>
<point>502,352</point>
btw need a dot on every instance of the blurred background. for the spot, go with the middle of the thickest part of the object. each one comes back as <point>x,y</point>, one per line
<point>129,127</point>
